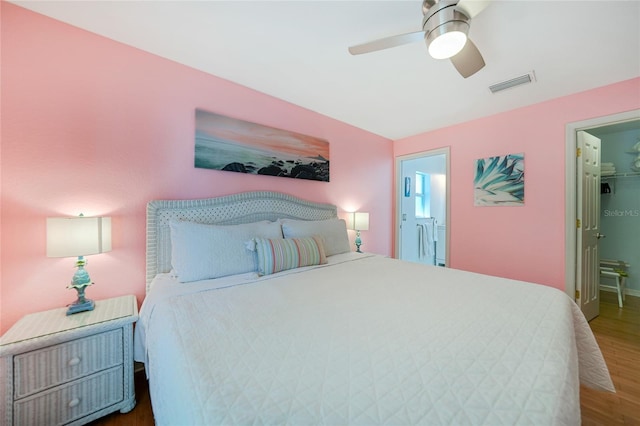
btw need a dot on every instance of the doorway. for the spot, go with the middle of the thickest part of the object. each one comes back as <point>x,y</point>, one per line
<point>422,207</point>
<point>574,202</point>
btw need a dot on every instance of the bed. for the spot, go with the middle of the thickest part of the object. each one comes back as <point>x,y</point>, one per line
<point>232,331</point>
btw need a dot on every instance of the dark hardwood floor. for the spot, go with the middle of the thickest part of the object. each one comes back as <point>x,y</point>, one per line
<point>141,415</point>
<point>616,329</point>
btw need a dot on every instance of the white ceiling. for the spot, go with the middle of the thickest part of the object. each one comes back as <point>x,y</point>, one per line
<point>297,51</point>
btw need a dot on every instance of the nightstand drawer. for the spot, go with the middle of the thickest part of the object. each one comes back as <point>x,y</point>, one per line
<point>48,367</point>
<point>72,401</point>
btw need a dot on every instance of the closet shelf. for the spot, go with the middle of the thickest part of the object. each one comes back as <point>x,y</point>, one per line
<point>611,189</point>
<point>621,175</point>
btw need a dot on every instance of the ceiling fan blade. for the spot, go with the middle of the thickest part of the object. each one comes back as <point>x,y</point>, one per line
<point>386,43</point>
<point>472,7</point>
<point>469,61</point>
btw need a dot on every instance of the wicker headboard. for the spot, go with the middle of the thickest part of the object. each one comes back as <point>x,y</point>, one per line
<point>234,209</point>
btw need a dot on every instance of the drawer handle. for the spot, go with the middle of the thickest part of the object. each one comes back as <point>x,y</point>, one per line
<point>74,361</point>
<point>74,402</point>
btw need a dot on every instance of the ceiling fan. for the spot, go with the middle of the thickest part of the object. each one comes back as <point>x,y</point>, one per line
<point>444,28</point>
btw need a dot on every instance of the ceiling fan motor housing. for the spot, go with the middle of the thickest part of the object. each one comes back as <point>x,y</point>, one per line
<point>441,18</point>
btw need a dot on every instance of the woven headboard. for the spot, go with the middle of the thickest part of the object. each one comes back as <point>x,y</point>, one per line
<point>234,209</point>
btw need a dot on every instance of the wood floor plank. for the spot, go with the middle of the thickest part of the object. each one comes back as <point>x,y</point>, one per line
<point>617,331</point>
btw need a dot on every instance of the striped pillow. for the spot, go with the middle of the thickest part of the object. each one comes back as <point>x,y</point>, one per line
<point>275,255</point>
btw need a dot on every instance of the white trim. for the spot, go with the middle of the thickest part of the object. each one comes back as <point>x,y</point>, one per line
<point>627,291</point>
<point>446,151</point>
<point>570,188</point>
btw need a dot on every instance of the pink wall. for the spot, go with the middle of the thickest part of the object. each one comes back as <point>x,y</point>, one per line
<point>527,242</point>
<point>90,125</point>
<point>93,126</point>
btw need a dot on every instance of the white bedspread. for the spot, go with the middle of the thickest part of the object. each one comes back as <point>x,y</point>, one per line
<point>370,340</point>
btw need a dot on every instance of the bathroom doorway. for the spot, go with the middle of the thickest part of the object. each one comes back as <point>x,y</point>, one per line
<point>422,207</point>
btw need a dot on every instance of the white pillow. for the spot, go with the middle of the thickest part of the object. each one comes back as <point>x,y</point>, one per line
<point>200,251</point>
<point>333,233</point>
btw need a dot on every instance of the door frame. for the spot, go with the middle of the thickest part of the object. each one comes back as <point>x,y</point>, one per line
<point>399,182</point>
<point>571,196</point>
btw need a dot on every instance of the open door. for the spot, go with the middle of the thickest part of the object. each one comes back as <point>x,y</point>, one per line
<point>588,224</point>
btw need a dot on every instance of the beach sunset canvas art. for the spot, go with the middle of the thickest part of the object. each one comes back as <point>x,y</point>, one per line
<point>225,143</point>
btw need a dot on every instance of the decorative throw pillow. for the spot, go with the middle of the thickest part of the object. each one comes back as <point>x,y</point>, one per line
<point>333,233</point>
<point>200,251</point>
<point>275,255</point>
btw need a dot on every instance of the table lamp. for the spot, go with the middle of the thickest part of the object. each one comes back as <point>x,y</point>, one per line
<point>78,236</point>
<point>360,222</point>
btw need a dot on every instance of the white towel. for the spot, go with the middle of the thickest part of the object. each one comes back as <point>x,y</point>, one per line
<point>427,236</point>
<point>607,171</point>
<point>422,242</point>
<point>428,227</point>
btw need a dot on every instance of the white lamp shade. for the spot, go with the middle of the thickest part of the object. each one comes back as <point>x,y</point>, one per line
<point>78,236</point>
<point>361,221</point>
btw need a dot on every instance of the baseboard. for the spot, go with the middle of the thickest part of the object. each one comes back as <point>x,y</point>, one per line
<point>627,291</point>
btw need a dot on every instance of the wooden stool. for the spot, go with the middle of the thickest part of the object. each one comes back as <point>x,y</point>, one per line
<point>616,270</point>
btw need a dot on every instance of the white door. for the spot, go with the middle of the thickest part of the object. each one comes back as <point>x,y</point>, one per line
<point>408,248</point>
<point>588,226</point>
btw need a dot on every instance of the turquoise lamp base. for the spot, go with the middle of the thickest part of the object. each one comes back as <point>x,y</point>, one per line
<point>81,306</point>
<point>81,280</point>
<point>358,242</point>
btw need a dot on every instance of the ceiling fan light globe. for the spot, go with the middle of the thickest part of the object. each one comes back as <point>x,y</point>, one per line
<point>447,44</point>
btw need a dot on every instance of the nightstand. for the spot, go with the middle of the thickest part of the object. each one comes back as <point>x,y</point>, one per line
<point>58,369</point>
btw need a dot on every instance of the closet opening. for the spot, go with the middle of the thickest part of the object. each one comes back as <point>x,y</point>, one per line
<point>618,207</point>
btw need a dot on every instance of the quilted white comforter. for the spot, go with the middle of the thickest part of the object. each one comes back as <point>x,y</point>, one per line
<point>368,340</point>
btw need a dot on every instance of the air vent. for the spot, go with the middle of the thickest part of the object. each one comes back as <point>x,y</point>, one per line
<point>517,81</point>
